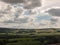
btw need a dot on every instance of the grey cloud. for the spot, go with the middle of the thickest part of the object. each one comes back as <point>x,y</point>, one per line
<point>35,3</point>
<point>54,12</point>
<point>13,1</point>
<point>53,21</point>
<point>6,11</point>
<point>3,12</point>
<point>21,20</point>
<point>1,15</point>
<point>29,12</point>
<point>41,24</point>
<point>9,21</point>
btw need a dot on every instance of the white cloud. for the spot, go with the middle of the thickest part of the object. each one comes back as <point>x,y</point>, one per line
<point>18,19</point>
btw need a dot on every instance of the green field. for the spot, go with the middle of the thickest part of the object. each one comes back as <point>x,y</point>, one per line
<point>29,37</point>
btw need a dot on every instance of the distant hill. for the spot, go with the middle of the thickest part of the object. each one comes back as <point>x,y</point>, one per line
<point>7,30</point>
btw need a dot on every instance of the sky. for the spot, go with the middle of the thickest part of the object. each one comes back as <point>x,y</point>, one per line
<point>30,14</point>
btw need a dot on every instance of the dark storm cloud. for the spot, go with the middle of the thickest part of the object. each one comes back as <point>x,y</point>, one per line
<point>13,1</point>
<point>54,12</point>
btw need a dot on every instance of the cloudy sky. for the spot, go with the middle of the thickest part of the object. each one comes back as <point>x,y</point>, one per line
<point>30,14</point>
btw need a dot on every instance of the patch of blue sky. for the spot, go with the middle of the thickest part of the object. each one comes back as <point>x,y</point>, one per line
<point>28,12</point>
<point>18,5</point>
<point>17,14</point>
<point>39,18</point>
